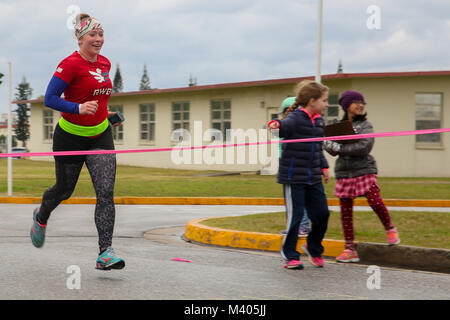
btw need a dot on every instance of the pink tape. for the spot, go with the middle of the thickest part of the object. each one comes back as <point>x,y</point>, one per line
<point>335,138</point>
<point>180,260</point>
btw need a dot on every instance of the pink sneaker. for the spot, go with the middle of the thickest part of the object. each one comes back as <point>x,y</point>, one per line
<point>315,261</point>
<point>392,237</point>
<point>293,264</point>
<point>348,256</point>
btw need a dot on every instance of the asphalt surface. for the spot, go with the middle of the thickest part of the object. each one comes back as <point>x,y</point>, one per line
<point>214,273</point>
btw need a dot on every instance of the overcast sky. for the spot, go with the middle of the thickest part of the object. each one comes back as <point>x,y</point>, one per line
<point>221,41</point>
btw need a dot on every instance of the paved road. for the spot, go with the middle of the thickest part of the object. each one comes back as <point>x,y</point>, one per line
<point>215,273</point>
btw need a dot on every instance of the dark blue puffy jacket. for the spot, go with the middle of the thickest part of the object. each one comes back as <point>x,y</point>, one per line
<point>301,162</point>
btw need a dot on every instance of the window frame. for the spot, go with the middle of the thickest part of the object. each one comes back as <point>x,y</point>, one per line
<point>151,124</point>
<point>48,128</point>
<point>429,144</point>
<point>184,124</point>
<point>331,119</point>
<point>222,119</point>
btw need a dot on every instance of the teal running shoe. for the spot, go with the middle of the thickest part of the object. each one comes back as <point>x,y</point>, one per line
<point>108,260</point>
<point>37,232</point>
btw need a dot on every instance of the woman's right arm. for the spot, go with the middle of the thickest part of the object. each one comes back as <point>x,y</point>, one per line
<point>53,99</point>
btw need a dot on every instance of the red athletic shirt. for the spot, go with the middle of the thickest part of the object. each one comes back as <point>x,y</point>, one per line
<point>87,81</point>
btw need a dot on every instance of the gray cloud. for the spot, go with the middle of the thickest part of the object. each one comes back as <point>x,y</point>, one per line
<point>224,41</point>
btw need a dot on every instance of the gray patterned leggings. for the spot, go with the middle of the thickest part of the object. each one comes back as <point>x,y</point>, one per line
<point>102,169</point>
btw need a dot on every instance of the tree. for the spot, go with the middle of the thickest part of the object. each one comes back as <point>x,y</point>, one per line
<point>340,67</point>
<point>24,92</point>
<point>118,82</point>
<point>145,80</point>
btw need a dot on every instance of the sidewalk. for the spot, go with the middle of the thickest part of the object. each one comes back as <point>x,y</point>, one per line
<point>427,259</point>
<point>416,258</point>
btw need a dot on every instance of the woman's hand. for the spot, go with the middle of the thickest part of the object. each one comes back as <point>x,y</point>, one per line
<point>89,107</point>
<point>110,114</point>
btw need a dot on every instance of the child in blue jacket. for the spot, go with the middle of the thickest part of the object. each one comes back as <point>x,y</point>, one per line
<point>304,228</point>
<point>301,168</point>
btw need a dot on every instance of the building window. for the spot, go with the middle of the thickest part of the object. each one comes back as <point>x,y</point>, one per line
<point>117,131</point>
<point>221,115</point>
<point>147,121</point>
<point>180,115</point>
<point>48,124</point>
<point>429,116</point>
<point>332,113</point>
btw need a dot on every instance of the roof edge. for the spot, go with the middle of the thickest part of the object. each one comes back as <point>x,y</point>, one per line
<point>270,82</point>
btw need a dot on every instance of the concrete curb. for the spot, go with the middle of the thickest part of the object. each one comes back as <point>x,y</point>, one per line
<point>223,201</point>
<point>411,257</point>
<point>416,258</point>
<point>198,232</point>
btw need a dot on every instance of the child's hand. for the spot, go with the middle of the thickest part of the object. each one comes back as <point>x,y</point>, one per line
<point>326,175</point>
<point>273,125</point>
<point>332,147</point>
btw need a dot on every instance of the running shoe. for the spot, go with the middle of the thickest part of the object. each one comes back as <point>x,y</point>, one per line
<point>293,264</point>
<point>315,261</point>
<point>392,237</point>
<point>108,260</point>
<point>348,256</point>
<point>302,231</point>
<point>37,232</point>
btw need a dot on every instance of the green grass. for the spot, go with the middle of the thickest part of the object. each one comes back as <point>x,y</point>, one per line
<point>32,178</point>
<point>424,229</point>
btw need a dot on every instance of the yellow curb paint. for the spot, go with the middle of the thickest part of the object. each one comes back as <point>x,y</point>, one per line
<point>223,201</point>
<point>21,200</point>
<point>198,232</point>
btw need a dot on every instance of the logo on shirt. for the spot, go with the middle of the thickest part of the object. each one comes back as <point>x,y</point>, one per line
<point>106,91</point>
<point>59,69</point>
<point>100,76</point>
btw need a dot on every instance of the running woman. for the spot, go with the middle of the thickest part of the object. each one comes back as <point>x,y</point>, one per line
<point>356,173</point>
<point>84,78</point>
<point>302,166</point>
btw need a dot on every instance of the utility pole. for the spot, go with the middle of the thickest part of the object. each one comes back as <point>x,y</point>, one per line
<point>319,42</point>
<point>9,141</point>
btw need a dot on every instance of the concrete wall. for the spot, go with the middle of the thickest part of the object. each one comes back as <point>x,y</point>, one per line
<point>390,105</point>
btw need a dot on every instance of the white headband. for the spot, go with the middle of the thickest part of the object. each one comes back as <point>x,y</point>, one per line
<point>87,25</point>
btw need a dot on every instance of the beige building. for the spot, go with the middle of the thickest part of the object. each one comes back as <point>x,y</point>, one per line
<point>395,102</point>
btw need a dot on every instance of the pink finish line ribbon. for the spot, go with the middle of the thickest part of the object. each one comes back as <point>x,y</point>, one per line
<point>334,138</point>
<point>180,260</point>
